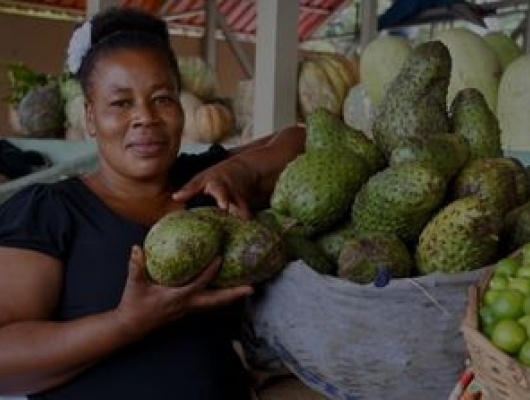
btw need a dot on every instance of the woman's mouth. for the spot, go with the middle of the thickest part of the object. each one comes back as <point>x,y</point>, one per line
<point>147,149</point>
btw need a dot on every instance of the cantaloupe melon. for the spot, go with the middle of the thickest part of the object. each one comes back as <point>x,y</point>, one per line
<point>474,64</point>
<point>380,62</point>
<point>514,105</point>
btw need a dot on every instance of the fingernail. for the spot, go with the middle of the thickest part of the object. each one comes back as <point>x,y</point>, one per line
<point>135,250</point>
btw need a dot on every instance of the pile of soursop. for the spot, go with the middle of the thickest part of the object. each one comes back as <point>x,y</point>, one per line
<point>428,190</point>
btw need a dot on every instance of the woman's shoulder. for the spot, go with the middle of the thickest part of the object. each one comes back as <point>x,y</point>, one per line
<point>35,217</point>
<point>43,192</point>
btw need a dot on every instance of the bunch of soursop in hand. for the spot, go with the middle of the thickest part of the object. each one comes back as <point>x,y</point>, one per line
<point>183,242</point>
<point>428,190</point>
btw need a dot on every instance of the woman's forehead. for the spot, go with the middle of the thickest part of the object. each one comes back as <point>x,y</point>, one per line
<point>132,64</point>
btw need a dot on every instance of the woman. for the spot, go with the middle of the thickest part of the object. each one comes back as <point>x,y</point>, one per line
<point>79,318</point>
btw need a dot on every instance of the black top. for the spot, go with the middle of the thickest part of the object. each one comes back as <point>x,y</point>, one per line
<point>191,359</point>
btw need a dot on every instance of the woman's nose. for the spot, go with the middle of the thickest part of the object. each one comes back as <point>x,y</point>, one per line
<point>145,113</point>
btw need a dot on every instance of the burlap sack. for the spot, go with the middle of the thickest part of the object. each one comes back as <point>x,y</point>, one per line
<point>349,341</point>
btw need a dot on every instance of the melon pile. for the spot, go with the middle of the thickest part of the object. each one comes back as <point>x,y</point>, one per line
<point>493,63</point>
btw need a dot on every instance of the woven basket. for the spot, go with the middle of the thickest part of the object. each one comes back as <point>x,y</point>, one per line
<point>501,377</point>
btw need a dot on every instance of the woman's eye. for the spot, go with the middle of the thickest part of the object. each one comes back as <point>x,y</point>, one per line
<point>164,100</point>
<point>122,103</point>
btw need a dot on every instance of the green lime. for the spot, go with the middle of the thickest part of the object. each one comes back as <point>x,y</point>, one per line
<point>508,304</point>
<point>490,295</point>
<point>524,354</point>
<point>525,321</point>
<point>520,283</point>
<point>523,272</point>
<point>487,320</point>
<point>526,305</point>
<point>509,336</point>
<point>507,266</point>
<point>498,281</point>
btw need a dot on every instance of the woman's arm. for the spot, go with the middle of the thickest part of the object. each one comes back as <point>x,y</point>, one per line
<point>37,353</point>
<point>246,179</point>
<point>267,157</point>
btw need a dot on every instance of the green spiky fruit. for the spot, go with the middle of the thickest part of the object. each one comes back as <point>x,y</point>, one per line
<point>182,242</point>
<point>318,187</point>
<point>325,130</point>
<point>298,245</point>
<point>471,117</point>
<point>462,236</point>
<point>252,253</point>
<point>415,103</point>
<point>446,151</point>
<point>499,182</point>
<point>41,111</point>
<point>520,176</point>
<point>364,256</point>
<point>515,229</point>
<point>332,240</point>
<point>400,200</point>
<point>179,245</point>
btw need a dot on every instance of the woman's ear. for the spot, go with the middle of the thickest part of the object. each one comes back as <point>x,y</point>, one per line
<point>89,120</point>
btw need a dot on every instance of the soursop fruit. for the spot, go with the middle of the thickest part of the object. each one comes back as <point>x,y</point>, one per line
<point>252,253</point>
<point>415,103</point>
<point>399,199</point>
<point>327,130</point>
<point>41,111</point>
<point>366,257</point>
<point>298,244</point>
<point>462,236</point>
<point>332,240</point>
<point>446,151</point>
<point>318,187</point>
<point>500,182</point>
<point>179,245</point>
<point>182,242</point>
<point>471,117</point>
<point>521,178</point>
<point>515,230</point>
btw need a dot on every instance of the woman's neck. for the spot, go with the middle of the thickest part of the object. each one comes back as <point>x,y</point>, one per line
<point>141,201</point>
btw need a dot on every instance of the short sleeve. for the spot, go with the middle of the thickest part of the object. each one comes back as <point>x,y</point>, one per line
<point>34,218</point>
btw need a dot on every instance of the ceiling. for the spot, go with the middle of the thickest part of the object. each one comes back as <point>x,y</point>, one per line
<point>188,16</point>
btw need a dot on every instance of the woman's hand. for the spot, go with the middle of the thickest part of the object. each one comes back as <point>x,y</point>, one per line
<point>145,305</point>
<point>232,183</point>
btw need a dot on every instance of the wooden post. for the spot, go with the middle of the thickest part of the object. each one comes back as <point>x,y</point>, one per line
<point>368,21</point>
<point>94,6</point>
<point>275,65</point>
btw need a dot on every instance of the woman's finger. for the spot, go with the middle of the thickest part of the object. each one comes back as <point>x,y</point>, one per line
<point>188,191</point>
<point>137,263</point>
<point>205,276</point>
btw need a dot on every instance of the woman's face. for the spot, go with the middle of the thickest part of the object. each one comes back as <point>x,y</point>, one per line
<point>134,113</point>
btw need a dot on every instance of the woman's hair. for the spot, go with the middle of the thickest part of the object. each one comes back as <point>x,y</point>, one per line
<point>118,28</point>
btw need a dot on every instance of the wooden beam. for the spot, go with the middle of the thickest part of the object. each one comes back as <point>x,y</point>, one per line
<point>368,21</point>
<point>235,46</point>
<point>209,45</point>
<point>94,6</point>
<point>526,37</point>
<point>275,66</point>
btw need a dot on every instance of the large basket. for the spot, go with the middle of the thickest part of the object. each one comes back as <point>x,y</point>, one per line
<point>501,377</point>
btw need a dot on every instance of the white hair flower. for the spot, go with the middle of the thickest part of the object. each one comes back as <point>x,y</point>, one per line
<point>78,47</point>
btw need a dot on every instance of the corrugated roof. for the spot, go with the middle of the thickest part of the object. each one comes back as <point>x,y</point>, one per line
<point>240,15</point>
